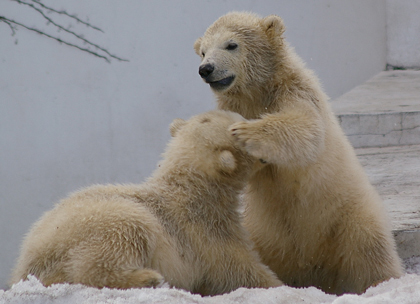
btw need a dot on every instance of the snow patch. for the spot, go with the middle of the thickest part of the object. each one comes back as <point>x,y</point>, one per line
<point>403,290</point>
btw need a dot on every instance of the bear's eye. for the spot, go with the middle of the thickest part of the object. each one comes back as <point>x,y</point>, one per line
<point>231,46</point>
<point>202,54</point>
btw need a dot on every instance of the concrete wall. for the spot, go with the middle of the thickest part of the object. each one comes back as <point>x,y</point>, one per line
<point>403,33</point>
<point>68,119</point>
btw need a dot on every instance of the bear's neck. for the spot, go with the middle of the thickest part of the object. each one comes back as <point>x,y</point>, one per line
<point>188,185</point>
<point>291,81</point>
<point>239,102</point>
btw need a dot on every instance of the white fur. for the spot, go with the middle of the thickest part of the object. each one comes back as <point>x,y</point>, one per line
<point>313,214</point>
<point>181,226</point>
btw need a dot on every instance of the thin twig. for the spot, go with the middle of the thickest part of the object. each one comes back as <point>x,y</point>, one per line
<point>12,28</point>
<point>9,21</point>
<point>66,14</point>
<point>70,32</point>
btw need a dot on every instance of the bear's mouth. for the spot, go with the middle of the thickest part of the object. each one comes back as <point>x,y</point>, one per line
<point>222,83</point>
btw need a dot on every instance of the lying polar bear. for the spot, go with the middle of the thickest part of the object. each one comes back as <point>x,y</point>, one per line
<point>181,226</point>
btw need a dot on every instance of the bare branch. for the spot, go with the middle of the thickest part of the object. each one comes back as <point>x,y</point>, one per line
<point>12,28</point>
<point>68,31</point>
<point>42,9</point>
<point>10,21</point>
<point>67,14</point>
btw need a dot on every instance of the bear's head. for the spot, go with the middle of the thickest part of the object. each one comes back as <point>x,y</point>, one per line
<point>239,52</point>
<point>203,146</point>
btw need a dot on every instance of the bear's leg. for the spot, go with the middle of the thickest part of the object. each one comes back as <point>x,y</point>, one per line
<point>120,279</point>
<point>136,279</point>
<point>367,257</point>
<point>113,268</point>
<point>117,255</point>
<point>244,267</point>
<point>293,136</point>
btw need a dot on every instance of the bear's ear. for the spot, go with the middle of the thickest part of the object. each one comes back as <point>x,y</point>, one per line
<point>197,45</point>
<point>227,161</point>
<point>176,125</point>
<point>273,26</point>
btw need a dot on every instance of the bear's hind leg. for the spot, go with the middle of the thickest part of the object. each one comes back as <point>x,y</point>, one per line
<point>116,256</point>
<point>136,279</point>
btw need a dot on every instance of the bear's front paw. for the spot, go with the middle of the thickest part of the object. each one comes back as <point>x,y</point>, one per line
<point>248,136</point>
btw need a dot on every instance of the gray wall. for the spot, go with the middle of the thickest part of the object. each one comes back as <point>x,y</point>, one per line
<point>403,33</point>
<point>68,119</point>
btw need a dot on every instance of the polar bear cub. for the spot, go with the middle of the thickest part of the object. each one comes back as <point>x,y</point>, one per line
<point>311,211</point>
<point>181,225</point>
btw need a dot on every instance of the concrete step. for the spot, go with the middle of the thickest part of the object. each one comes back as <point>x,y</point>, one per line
<point>384,111</point>
<point>382,120</point>
<point>395,172</point>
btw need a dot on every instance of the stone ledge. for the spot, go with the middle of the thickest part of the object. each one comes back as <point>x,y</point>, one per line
<point>384,111</point>
<point>395,172</point>
<point>408,243</point>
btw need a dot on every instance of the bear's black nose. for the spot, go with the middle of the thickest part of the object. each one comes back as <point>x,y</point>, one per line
<point>205,70</point>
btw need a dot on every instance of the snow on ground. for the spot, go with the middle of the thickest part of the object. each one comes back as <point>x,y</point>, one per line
<point>402,291</point>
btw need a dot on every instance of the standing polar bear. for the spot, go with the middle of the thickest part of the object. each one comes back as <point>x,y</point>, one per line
<point>181,226</point>
<point>314,216</point>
